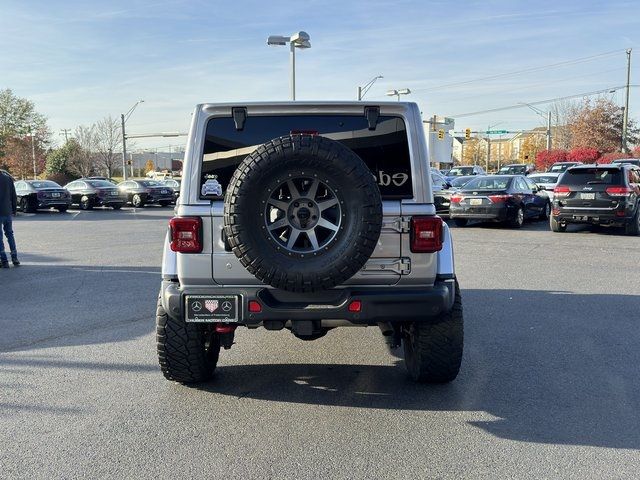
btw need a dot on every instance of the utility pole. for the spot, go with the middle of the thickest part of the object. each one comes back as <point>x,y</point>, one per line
<point>625,114</point>
<point>124,148</point>
<point>488,149</point>
<point>33,154</point>
<point>549,130</point>
<point>65,132</point>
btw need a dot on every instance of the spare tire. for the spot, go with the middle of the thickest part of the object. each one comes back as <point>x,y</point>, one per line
<point>302,213</point>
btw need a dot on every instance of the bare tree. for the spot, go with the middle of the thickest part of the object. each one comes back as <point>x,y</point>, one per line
<point>563,113</point>
<point>108,143</point>
<point>83,159</point>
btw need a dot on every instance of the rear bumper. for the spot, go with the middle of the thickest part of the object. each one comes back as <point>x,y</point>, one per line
<point>48,203</point>
<point>394,305</point>
<point>594,217</point>
<point>499,213</point>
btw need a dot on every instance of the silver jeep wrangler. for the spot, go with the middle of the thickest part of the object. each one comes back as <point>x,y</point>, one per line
<point>308,216</point>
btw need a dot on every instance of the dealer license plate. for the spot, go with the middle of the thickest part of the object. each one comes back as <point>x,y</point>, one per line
<point>475,201</point>
<point>588,196</point>
<point>211,308</point>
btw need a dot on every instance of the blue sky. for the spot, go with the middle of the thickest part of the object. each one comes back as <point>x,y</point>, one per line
<point>82,60</point>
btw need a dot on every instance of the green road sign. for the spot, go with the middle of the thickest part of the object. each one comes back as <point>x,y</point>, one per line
<point>496,132</point>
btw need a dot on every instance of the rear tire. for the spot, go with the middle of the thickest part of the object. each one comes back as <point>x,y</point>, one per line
<point>557,226</point>
<point>518,219</point>
<point>546,212</point>
<point>62,209</point>
<point>86,203</point>
<point>26,206</point>
<point>633,227</point>
<point>433,351</point>
<point>187,352</point>
<point>137,201</point>
<point>460,222</point>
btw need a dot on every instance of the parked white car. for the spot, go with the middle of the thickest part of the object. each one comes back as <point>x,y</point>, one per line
<point>546,181</point>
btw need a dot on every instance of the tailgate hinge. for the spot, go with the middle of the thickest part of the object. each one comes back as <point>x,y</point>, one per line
<point>399,224</point>
<point>401,266</point>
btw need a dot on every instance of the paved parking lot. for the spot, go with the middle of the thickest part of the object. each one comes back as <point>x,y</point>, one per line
<point>549,385</point>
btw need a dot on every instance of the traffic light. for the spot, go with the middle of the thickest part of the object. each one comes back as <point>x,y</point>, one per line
<point>467,133</point>
<point>440,134</point>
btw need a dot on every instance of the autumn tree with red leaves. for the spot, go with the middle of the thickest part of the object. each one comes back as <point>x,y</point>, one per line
<point>546,158</point>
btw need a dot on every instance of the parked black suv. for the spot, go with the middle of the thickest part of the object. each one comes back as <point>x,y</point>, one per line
<point>605,195</point>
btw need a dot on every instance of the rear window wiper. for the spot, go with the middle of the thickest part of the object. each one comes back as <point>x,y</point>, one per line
<point>593,182</point>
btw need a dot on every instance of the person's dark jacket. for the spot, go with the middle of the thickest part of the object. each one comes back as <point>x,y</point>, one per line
<point>8,200</point>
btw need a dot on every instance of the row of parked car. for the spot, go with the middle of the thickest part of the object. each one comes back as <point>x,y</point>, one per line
<point>91,192</point>
<point>570,192</point>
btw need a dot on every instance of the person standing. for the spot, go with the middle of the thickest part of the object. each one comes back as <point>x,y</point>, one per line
<point>8,207</point>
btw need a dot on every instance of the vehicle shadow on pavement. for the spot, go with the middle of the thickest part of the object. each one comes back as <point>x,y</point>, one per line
<point>551,367</point>
<point>97,214</point>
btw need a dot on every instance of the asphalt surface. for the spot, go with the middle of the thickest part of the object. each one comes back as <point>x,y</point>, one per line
<point>549,386</point>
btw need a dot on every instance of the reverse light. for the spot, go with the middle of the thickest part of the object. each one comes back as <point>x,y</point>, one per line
<point>186,234</point>
<point>561,191</point>
<point>426,234</point>
<point>618,191</point>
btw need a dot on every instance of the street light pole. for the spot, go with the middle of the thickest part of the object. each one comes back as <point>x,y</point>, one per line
<point>124,148</point>
<point>625,115</point>
<point>397,93</point>
<point>548,118</point>
<point>123,119</point>
<point>362,91</point>
<point>297,40</point>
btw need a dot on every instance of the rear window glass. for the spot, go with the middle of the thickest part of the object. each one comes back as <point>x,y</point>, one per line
<point>488,183</point>
<point>384,150</point>
<point>150,183</point>
<point>45,184</point>
<point>544,179</point>
<point>587,176</point>
<point>514,170</point>
<point>457,171</point>
<point>100,183</point>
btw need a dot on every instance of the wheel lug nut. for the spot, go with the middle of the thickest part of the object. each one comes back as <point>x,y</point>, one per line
<point>296,204</point>
<point>310,204</point>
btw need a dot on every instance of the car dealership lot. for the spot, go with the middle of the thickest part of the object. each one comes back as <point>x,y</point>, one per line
<point>548,387</point>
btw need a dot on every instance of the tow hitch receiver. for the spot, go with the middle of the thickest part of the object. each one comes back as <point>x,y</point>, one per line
<point>226,334</point>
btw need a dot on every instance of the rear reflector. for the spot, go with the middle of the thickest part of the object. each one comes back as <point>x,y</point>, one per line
<point>355,306</point>
<point>561,191</point>
<point>618,191</point>
<point>186,234</point>
<point>254,306</point>
<point>426,234</point>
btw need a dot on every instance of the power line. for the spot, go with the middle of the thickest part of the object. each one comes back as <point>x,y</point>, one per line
<point>518,72</point>
<point>541,102</point>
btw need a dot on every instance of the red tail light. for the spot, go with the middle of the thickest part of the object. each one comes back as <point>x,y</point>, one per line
<point>561,191</point>
<point>456,198</point>
<point>618,191</point>
<point>426,234</point>
<point>254,306</point>
<point>499,198</point>
<point>186,234</point>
